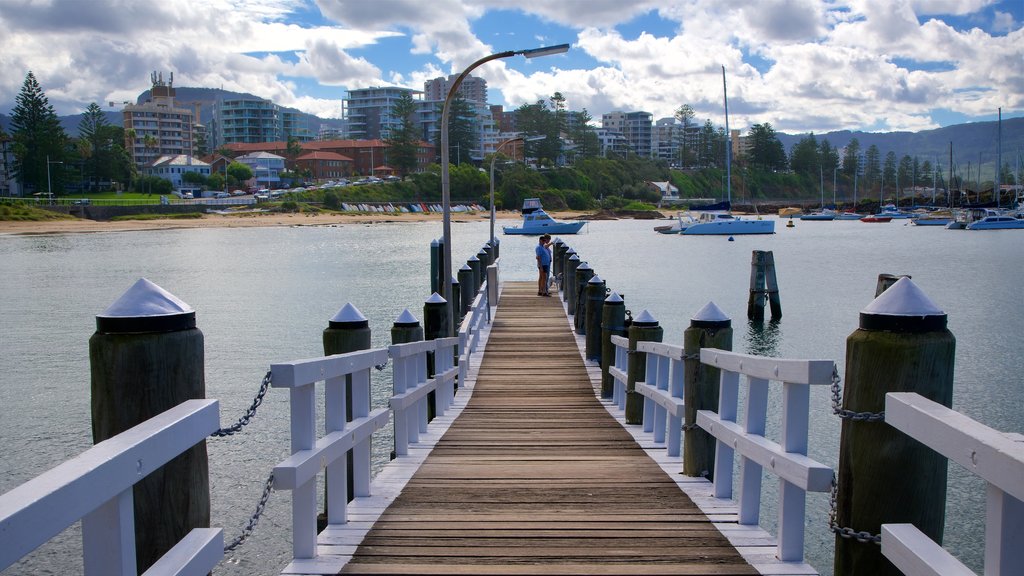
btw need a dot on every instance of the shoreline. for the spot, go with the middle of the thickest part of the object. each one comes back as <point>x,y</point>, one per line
<point>249,220</point>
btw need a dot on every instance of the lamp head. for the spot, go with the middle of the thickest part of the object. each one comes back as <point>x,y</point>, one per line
<point>545,51</point>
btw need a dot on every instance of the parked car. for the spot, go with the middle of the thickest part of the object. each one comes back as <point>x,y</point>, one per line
<point>83,201</point>
<point>238,192</point>
<point>222,195</point>
<point>187,196</point>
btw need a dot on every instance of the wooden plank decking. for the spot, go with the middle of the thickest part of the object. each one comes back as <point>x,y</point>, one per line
<point>536,477</point>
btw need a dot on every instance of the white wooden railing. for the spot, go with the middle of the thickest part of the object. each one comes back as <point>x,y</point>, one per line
<point>786,459</point>
<point>663,414</point>
<point>408,404</point>
<point>96,488</point>
<point>996,457</point>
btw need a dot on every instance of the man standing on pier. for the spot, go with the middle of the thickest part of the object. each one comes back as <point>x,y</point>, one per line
<point>543,264</point>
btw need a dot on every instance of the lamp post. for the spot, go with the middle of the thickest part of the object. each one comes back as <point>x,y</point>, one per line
<point>445,179</point>
<point>493,158</point>
<point>49,187</point>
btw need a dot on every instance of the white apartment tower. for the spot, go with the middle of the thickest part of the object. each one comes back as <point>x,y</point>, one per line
<point>157,127</point>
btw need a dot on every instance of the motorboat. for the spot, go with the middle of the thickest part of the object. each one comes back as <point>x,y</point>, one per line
<point>936,218</point>
<point>848,216</point>
<point>876,218</point>
<point>893,212</point>
<point>537,222</point>
<point>682,221</point>
<point>824,215</point>
<point>994,220</point>
<point>725,224</point>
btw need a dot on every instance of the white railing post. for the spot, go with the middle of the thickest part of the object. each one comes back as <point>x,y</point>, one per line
<point>361,451</point>
<point>660,365</point>
<point>728,402</point>
<point>400,376</point>
<point>303,423</point>
<point>108,537</point>
<point>336,478</point>
<point>675,421</point>
<point>750,472</point>
<point>796,403</point>
<point>651,379</point>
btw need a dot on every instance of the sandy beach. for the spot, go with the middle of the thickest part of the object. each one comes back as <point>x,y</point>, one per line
<point>242,221</point>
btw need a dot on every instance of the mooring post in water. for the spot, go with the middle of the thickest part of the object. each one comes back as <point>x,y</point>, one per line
<point>763,284</point>
<point>613,323</point>
<point>774,302</point>
<point>435,265</point>
<point>885,476</point>
<point>595,295</point>
<point>466,291</point>
<point>478,275</point>
<point>710,327</point>
<point>583,275</point>
<point>435,325</point>
<point>146,357</point>
<point>643,329</point>
<point>406,328</point>
<point>885,281</point>
<point>348,331</point>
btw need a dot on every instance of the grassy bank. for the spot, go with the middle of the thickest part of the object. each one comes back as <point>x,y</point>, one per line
<point>18,212</point>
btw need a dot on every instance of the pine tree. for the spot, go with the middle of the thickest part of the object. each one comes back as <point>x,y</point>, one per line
<point>94,151</point>
<point>38,136</point>
<point>403,141</point>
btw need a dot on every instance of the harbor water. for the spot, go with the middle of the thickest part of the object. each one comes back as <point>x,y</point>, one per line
<point>264,295</point>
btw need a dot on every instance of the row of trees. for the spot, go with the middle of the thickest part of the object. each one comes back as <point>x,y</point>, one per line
<point>46,157</point>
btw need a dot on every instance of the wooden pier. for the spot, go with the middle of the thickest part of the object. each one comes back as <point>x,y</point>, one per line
<point>536,477</point>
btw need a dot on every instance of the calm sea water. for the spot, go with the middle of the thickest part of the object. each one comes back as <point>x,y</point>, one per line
<point>264,295</point>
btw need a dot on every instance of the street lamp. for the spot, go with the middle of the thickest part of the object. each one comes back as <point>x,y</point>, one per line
<point>445,181</point>
<point>49,187</point>
<point>495,156</point>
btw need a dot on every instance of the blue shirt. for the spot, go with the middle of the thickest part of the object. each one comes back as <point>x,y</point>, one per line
<point>543,254</point>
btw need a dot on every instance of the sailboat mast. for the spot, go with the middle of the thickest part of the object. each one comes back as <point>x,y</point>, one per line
<point>949,183</point>
<point>728,143</point>
<point>999,157</point>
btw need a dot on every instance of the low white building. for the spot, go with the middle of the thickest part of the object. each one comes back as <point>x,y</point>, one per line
<point>266,168</point>
<point>173,167</point>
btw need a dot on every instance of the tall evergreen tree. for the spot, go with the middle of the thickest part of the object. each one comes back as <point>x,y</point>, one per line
<point>684,114</point>
<point>851,158</point>
<point>889,171</point>
<point>93,149</point>
<point>461,138</point>
<point>872,166</point>
<point>766,151</point>
<point>403,141</point>
<point>38,135</point>
<point>804,158</point>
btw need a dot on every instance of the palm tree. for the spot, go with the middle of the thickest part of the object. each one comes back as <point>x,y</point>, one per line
<point>150,142</point>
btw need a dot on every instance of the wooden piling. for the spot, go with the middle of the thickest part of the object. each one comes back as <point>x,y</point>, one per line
<point>466,291</point>
<point>643,329</point>
<point>435,325</point>
<point>147,357</point>
<point>435,265</point>
<point>594,303</point>
<point>558,248</point>
<point>348,331</point>
<point>763,285</point>
<point>478,274</point>
<point>709,328</point>
<point>571,262</point>
<point>772,284</point>
<point>583,275</point>
<point>884,476</point>
<point>613,323</point>
<point>887,280</point>
<point>455,307</point>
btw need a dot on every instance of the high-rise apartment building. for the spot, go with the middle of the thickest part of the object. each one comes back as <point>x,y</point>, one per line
<point>635,128</point>
<point>157,127</point>
<point>370,111</point>
<point>252,120</point>
<point>472,88</point>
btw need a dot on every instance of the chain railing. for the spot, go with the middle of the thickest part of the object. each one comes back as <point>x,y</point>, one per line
<point>837,404</point>
<point>250,413</point>
<point>268,487</point>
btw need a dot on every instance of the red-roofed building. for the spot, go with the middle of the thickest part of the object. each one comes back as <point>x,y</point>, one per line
<point>363,155</point>
<point>324,165</point>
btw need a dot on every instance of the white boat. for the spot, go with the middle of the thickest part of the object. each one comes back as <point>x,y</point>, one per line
<point>823,215</point>
<point>724,223</point>
<point>893,212</point>
<point>537,222</point>
<point>996,220</point>
<point>848,216</point>
<point>682,221</point>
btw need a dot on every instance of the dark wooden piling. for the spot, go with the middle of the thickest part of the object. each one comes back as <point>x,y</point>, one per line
<point>594,304</point>
<point>763,286</point>
<point>583,275</point>
<point>147,357</point>
<point>885,476</point>
<point>435,325</point>
<point>613,323</point>
<point>643,329</point>
<point>709,328</point>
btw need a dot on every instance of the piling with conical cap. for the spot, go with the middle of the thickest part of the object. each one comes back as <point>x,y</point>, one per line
<point>558,248</point>
<point>466,290</point>
<point>489,250</point>
<point>496,245</point>
<point>435,325</point>
<point>455,309</point>
<point>595,295</point>
<point>435,265</point>
<point>885,281</point>
<point>571,264</point>
<point>710,327</point>
<point>566,280</point>
<point>406,328</point>
<point>613,323</point>
<point>885,476</point>
<point>147,357</point>
<point>478,275</point>
<point>583,275</point>
<point>643,329</point>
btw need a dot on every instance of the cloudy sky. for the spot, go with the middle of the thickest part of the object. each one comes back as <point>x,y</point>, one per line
<point>802,65</point>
